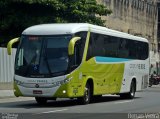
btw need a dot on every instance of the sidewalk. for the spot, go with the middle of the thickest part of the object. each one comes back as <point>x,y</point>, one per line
<point>6,90</point>
<point>6,93</point>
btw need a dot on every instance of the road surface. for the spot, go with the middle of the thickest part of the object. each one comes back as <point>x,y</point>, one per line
<point>146,104</point>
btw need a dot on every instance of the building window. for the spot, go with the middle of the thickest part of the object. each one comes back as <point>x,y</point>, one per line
<point>107,2</point>
<point>142,5</point>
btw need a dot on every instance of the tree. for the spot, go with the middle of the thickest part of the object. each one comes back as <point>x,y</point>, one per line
<point>16,15</point>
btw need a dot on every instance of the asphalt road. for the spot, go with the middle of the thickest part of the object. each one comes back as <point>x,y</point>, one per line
<point>146,104</point>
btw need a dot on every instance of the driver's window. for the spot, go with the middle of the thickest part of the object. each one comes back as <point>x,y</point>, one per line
<point>79,47</point>
<point>20,58</point>
<point>77,56</point>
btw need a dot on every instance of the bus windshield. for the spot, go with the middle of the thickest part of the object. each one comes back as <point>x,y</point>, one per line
<point>42,56</point>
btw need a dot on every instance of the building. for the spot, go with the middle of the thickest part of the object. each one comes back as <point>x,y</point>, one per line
<point>137,17</point>
<point>158,30</point>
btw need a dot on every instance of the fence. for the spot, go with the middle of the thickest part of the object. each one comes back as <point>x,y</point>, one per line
<point>6,65</point>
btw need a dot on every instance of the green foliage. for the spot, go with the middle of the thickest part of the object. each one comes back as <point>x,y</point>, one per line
<point>16,15</point>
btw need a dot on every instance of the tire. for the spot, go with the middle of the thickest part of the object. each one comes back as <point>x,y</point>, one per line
<point>131,93</point>
<point>41,100</point>
<point>150,82</point>
<point>87,95</point>
<point>150,85</point>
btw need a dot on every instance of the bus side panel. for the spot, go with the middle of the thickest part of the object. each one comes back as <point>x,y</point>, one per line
<point>138,69</point>
<point>107,77</point>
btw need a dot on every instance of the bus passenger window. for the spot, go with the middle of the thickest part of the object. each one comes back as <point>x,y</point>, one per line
<point>123,50</point>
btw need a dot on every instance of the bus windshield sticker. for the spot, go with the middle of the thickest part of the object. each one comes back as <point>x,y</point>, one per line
<point>32,38</point>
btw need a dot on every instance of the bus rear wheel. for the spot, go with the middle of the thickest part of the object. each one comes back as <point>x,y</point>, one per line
<point>131,93</point>
<point>41,100</point>
<point>87,95</point>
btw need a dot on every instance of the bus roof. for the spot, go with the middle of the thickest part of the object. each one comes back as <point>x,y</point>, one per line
<point>71,28</point>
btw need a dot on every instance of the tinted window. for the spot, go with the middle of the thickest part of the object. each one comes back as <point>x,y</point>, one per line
<point>111,46</point>
<point>80,46</point>
<point>96,46</point>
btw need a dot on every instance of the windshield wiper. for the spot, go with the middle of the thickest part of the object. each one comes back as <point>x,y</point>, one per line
<point>59,73</point>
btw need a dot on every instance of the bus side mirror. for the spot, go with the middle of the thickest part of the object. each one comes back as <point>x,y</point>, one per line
<point>9,45</point>
<point>72,45</point>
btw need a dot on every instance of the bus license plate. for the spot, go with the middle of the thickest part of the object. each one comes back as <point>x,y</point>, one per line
<point>37,92</point>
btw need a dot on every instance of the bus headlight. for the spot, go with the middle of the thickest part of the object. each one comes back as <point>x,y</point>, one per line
<point>67,80</point>
<point>59,83</point>
<point>18,82</point>
<point>64,91</point>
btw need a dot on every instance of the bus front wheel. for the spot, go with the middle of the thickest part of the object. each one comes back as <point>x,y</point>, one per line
<point>41,100</point>
<point>87,95</point>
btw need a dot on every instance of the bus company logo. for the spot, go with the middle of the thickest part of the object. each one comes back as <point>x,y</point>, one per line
<point>37,86</point>
<point>42,81</point>
<point>137,66</point>
<point>32,81</point>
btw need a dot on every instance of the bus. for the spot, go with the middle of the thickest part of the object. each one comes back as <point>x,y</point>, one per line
<point>79,60</point>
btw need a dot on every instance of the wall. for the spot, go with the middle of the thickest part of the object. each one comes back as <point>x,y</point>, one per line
<point>6,65</point>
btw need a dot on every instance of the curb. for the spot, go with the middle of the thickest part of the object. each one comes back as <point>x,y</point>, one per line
<point>6,93</point>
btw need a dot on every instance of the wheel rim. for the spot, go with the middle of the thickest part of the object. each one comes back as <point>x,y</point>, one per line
<point>86,94</point>
<point>132,91</point>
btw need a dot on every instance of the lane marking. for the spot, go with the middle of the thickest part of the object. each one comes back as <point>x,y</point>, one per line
<point>52,111</point>
<point>123,102</point>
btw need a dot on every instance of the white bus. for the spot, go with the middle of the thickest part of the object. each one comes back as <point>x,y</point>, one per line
<point>79,60</point>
